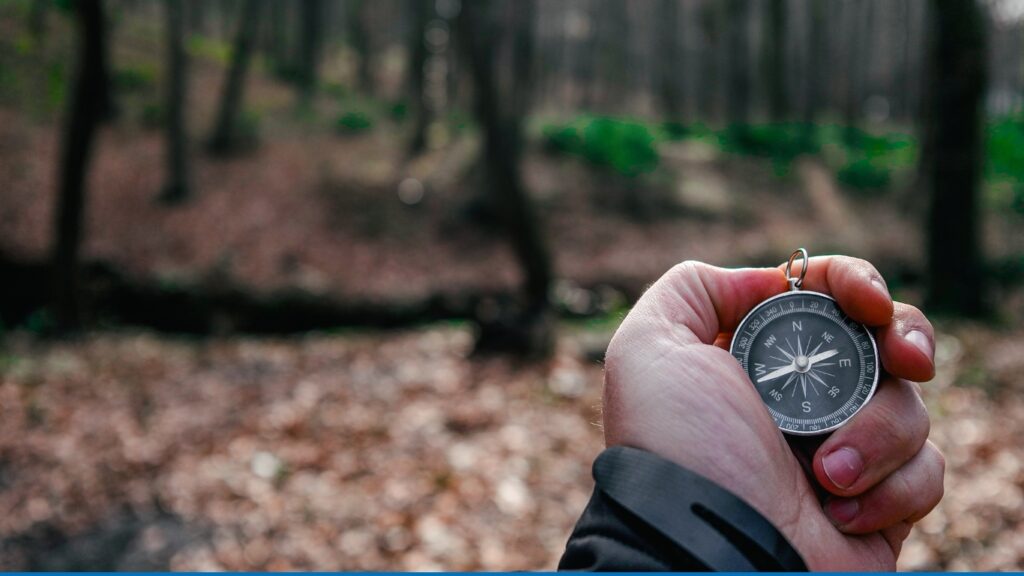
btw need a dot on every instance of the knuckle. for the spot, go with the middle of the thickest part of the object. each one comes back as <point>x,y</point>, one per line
<point>910,317</point>
<point>904,428</point>
<point>860,265</point>
<point>685,269</point>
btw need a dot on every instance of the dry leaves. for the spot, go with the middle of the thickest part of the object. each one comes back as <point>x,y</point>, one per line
<point>387,451</point>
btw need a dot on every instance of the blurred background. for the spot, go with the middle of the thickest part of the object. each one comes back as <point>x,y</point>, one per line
<point>326,284</point>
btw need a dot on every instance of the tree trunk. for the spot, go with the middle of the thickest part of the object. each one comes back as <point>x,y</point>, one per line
<point>669,63</point>
<point>225,138</point>
<point>361,44</point>
<point>816,53</point>
<point>856,65</point>
<point>177,187</point>
<point>102,85</point>
<point>196,12</point>
<point>310,45</point>
<point>775,60</point>
<point>711,26</point>
<point>279,34</point>
<point>37,20</point>
<point>952,167</point>
<point>83,116</point>
<point>421,12</point>
<point>502,150</point>
<point>739,67</point>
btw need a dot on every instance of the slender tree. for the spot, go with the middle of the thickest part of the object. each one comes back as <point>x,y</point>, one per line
<point>711,27</point>
<point>953,154</point>
<point>858,29</point>
<point>670,72</point>
<point>224,139</point>
<point>360,40</point>
<point>499,110</point>
<point>421,12</point>
<point>775,60</point>
<point>177,187</point>
<point>739,67</point>
<point>37,20</point>
<point>309,61</point>
<point>816,55</point>
<point>101,83</point>
<point>84,113</point>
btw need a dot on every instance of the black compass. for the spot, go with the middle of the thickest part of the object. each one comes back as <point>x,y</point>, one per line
<point>813,366</point>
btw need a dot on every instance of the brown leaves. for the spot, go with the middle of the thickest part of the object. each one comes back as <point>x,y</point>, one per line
<point>391,451</point>
<point>328,452</point>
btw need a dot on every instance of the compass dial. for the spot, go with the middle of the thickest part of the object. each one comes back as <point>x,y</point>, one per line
<point>813,366</point>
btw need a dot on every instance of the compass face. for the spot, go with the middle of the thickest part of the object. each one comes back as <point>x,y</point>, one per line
<point>813,366</point>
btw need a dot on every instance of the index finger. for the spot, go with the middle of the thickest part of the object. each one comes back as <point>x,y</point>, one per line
<point>854,283</point>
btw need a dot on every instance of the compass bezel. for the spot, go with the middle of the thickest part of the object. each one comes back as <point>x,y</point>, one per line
<point>803,293</point>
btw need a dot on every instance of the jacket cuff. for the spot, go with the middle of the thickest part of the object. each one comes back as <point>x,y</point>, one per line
<point>692,516</point>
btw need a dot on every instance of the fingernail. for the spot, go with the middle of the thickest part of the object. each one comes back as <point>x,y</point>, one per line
<point>842,510</point>
<point>880,286</point>
<point>918,339</point>
<point>843,466</point>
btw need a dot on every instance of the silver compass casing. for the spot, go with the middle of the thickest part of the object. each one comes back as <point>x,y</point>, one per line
<point>843,321</point>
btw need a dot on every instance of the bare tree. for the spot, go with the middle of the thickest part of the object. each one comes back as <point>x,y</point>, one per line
<point>177,187</point>
<point>739,66</point>
<point>668,35</point>
<point>309,61</point>
<point>84,114</point>
<point>360,40</point>
<point>499,110</point>
<point>815,63</point>
<point>775,60</point>
<point>37,20</point>
<point>951,161</point>
<point>421,11</point>
<point>224,139</point>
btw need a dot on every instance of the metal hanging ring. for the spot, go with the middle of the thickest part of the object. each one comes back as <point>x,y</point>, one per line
<point>797,283</point>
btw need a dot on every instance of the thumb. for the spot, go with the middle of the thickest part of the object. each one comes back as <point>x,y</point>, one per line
<point>705,300</point>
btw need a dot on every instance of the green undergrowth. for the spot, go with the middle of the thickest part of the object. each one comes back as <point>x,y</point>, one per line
<point>863,161</point>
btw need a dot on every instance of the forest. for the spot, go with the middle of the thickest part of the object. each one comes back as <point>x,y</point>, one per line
<point>327,284</point>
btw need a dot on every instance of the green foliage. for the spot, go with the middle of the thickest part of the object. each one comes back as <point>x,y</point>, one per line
<point>24,44</point>
<point>864,174</point>
<point>398,111</point>
<point>40,322</point>
<point>152,115</point>
<point>675,130</point>
<point>1017,201</point>
<point>56,84</point>
<point>332,89</point>
<point>135,78</point>
<point>892,148</point>
<point>210,49</point>
<point>292,74</point>
<point>563,139</point>
<point>1005,149</point>
<point>1008,271</point>
<point>249,127</point>
<point>626,147</point>
<point>353,123</point>
<point>780,142</point>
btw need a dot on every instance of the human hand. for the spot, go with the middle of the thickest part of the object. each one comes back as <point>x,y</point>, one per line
<point>672,388</point>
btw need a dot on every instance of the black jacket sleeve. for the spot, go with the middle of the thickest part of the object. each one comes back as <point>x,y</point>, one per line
<point>647,513</point>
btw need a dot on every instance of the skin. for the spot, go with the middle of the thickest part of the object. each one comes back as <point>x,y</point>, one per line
<point>672,388</point>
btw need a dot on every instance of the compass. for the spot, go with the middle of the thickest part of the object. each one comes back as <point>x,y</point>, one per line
<point>812,365</point>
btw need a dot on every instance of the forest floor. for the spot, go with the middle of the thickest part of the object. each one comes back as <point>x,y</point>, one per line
<point>398,450</point>
<point>392,450</point>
